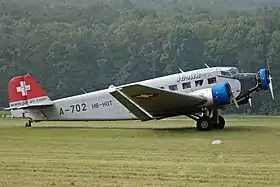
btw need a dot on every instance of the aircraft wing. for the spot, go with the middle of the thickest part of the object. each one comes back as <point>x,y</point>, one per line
<point>148,103</point>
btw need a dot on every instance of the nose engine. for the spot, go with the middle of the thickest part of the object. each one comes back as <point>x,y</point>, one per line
<point>264,80</point>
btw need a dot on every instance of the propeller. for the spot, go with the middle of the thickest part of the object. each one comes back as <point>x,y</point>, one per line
<point>250,101</point>
<point>270,80</point>
<point>232,98</point>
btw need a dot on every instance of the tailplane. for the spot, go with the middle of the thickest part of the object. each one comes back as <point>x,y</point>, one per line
<point>24,92</point>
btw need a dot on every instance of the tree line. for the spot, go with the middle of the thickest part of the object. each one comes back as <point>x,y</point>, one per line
<point>67,45</point>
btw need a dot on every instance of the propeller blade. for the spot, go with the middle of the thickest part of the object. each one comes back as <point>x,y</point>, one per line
<point>271,88</point>
<point>270,80</point>
<point>250,101</point>
<point>233,99</point>
<point>267,65</point>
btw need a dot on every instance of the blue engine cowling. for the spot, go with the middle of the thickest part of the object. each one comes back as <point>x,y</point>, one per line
<point>263,79</point>
<point>221,94</point>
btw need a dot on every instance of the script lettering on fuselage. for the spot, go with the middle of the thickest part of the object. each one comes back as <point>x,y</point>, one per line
<point>83,107</point>
<point>188,77</point>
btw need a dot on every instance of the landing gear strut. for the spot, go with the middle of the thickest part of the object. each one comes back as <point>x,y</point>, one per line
<point>28,124</point>
<point>207,123</point>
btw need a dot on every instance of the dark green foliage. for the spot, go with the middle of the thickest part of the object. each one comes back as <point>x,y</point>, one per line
<point>67,44</point>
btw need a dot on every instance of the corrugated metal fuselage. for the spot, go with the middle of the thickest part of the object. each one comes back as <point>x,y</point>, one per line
<point>101,105</point>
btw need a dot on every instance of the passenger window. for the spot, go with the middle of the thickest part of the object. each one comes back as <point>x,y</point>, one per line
<point>173,87</point>
<point>186,85</point>
<point>198,83</point>
<point>212,80</point>
<point>161,87</point>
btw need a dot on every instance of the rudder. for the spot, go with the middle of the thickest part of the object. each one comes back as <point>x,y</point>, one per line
<point>24,91</point>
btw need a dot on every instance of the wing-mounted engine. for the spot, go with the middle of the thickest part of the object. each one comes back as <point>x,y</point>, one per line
<point>218,95</point>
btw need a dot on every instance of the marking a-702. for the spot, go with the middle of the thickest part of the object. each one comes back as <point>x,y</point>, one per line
<point>82,107</point>
<point>78,107</point>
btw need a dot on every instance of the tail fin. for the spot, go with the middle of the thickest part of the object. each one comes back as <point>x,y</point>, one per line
<point>25,92</point>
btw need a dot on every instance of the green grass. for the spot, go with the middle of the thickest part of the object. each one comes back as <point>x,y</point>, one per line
<point>133,153</point>
<point>4,113</point>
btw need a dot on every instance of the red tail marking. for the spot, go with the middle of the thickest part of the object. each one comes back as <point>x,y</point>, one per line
<point>35,90</point>
<point>13,89</point>
<point>22,88</point>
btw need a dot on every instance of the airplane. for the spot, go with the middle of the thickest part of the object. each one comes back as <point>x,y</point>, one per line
<point>198,94</point>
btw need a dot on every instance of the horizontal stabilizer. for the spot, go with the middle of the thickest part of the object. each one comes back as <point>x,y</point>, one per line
<point>39,105</point>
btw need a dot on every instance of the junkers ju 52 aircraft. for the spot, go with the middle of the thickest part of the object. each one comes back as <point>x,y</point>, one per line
<point>198,94</point>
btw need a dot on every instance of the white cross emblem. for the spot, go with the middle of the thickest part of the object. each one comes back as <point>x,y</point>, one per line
<point>23,88</point>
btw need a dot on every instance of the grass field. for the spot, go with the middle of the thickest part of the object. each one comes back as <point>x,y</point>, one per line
<point>4,113</point>
<point>132,153</point>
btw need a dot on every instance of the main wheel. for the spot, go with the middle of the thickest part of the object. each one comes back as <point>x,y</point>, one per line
<point>204,123</point>
<point>220,124</point>
<point>28,124</point>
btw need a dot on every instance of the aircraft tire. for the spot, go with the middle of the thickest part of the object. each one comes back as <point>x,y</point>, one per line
<point>28,124</point>
<point>221,123</point>
<point>204,123</point>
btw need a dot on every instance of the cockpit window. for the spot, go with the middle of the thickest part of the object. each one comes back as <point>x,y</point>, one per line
<point>233,71</point>
<point>229,73</point>
<point>226,73</point>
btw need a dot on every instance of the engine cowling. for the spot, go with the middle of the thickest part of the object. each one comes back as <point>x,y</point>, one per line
<point>262,78</point>
<point>217,95</point>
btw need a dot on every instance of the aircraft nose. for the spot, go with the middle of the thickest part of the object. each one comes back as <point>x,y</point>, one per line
<point>248,81</point>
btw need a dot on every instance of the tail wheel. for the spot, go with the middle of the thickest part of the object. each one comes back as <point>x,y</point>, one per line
<point>204,123</point>
<point>28,124</point>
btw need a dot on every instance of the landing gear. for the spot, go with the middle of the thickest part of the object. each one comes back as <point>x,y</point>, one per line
<point>206,123</point>
<point>220,124</point>
<point>218,120</point>
<point>28,124</point>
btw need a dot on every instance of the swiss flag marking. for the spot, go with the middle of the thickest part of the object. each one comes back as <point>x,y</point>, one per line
<point>23,88</point>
